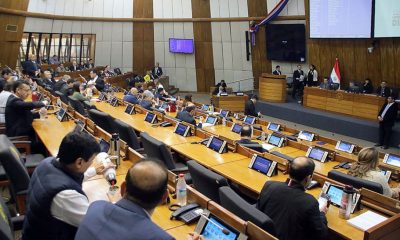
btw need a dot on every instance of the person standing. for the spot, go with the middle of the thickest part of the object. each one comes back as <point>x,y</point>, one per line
<point>312,76</point>
<point>250,106</point>
<point>387,116</point>
<point>298,80</point>
<point>157,71</point>
<point>30,66</point>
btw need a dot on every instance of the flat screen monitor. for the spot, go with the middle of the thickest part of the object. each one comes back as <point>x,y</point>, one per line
<point>387,18</point>
<point>262,165</point>
<point>205,107</point>
<point>286,42</point>
<point>61,114</point>
<point>249,120</point>
<point>273,127</point>
<point>304,135</point>
<point>216,144</point>
<point>211,120</point>
<point>340,18</point>
<point>236,128</point>
<point>129,109</point>
<point>182,129</point>
<point>344,146</point>
<point>150,117</point>
<point>392,159</point>
<point>224,113</point>
<point>104,146</point>
<point>317,154</point>
<point>275,140</point>
<point>177,45</point>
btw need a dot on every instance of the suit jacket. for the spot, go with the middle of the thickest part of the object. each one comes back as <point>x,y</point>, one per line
<point>250,109</point>
<point>295,213</point>
<point>276,72</point>
<point>390,115</point>
<point>367,88</point>
<point>99,84</point>
<point>19,117</point>
<point>89,65</point>
<point>386,91</point>
<point>123,220</point>
<point>74,69</point>
<point>146,104</point>
<point>59,85</point>
<point>246,141</point>
<point>30,67</point>
<point>297,74</point>
<point>131,99</point>
<point>158,72</point>
<point>186,117</point>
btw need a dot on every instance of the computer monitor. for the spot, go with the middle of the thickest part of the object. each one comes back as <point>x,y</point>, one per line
<point>130,109</point>
<point>114,102</point>
<point>304,135</point>
<point>249,120</point>
<point>262,165</point>
<point>211,120</point>
<point>273,127</point>
<point>216,144</point>
<point>275,140</point>
<point>392,159</point>
<point>317,154</point>
<point>150,117</point>
<point>205,107</point>
<point>61,115</point>
<point>182,129</point>
<point>236,128</point>
<point>344,146</point>
<point>224,113</point>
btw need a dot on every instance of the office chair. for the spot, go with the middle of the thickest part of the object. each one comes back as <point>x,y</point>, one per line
<point>8,224</point>
<point>103,120</point>
<point>238,206</point>
<point>355,181</point>
<point>206,181</point>
<point>62,96</point>
<point>16,172</point>
<point>127,134</point>
<point>158,150</point>
<point>77,106</point>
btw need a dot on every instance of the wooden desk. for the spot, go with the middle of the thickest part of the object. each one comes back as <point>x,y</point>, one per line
<point>357,105</point>
<point>206,156</point>
<point>224,131</point>
<point>231,102</point>
<point>120,80</point>
<point>84,73</point>
<point>51,132</point>
<point>272,87</point>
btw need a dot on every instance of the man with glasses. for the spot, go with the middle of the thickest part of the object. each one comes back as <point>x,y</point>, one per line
<point>18,113</point>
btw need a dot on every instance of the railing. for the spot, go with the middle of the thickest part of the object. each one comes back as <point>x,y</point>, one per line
<point>238,82</point>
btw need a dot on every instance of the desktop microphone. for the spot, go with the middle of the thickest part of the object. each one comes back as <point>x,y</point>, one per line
<point>223,230</point>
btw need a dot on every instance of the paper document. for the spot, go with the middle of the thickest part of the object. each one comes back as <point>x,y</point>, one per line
<point>267,146</point>
<point>366,220</point>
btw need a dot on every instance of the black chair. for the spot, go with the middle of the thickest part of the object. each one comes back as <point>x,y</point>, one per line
<point>103,120</point>
<point>206,181</point>
<point>158,150</point>
<point>127,134</point>
<point>355,181</point>
<point>62,96</point>
<point>8,224</point>
<point>238,206</point>
<point>77,106</point>
<point>16,172</point>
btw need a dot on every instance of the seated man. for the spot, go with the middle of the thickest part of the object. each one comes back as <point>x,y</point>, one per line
<point>296,214</point>
<point>245,135</point>
<point>132,96</point>
<point>186,114</point>
<point>144,188</point>
<point>161,94</point>
<point>147,102</point>
<point>56,201</point>
<point>325,85</point>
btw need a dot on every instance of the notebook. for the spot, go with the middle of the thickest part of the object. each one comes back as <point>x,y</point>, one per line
<point>366,220</point>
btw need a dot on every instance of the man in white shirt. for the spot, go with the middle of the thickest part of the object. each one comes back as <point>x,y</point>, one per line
<point>4,95</point>
<point>56,201</point>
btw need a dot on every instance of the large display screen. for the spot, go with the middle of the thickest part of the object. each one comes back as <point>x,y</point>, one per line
<point>181,45</point>
<point>387,18</point>
<point>341,18</point>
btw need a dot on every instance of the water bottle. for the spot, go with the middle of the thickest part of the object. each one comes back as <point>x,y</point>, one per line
<point>181,190</point>
<point>224,121</point>
<point>263,136</point>
<point>115,149</point>
<point>346,202</point>
<point>89,92</point>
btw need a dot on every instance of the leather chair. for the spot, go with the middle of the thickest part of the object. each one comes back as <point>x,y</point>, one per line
<point>355,181</point>
<point>158,150</point>
<point>16,172</point>
<point>8,224</point>
<point>206,181</point>
<point>103,120</point>
<point>62,96</point>
<point>127,134</point>
<point>238,206</point>
<point>77,106</point>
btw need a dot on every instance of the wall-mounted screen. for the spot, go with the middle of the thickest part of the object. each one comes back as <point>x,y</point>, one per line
<point>387,18</point>
<point>340,18</point>
<point>286,42</point>
<point>181,45</point>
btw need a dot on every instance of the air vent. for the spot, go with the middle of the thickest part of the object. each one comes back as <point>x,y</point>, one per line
<point>11,28</point>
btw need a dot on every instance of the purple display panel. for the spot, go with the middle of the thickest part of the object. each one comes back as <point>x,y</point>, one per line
<point>181,45</point>
<point>340,18</point>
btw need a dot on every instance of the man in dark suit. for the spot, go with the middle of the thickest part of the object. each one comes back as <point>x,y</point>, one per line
<point>157,71</point>
<point>61,83</point>
<point>298,79</point>
<point>47,81</point>
<point>387,116</point>
<point>74,67</point>
<point>18,113</point>
<point>383,90</point>
<point>89,64</point>
<point>97,81</point>
<point>30,66</point>
<point>245,136</point>
<point>296,214</point>
<point>277,70</point>
<point>144,188</point>
<point>186,114</point>
<point>250,107</point>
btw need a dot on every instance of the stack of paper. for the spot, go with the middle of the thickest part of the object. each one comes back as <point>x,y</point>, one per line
<point>366,220</point>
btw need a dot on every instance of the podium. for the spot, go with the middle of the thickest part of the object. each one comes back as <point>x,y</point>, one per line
<point>272,88</point>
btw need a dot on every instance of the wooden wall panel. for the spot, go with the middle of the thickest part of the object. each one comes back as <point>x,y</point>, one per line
<point>260,63</point>
<point>10,41</point>
<point>143,37</point>
<point>356,63</point>
<point>204,59</point>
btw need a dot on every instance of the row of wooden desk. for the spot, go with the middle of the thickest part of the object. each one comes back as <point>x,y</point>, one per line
<point>232,165</point>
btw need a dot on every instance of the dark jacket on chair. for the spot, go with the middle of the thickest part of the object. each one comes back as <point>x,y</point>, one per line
<point>47,181</point>
<point>19,117</point>
<point>390,115</point>
<point>295,213</point>
<point>385,93</point>
<point>250,109</point>
<point>186,117</point>
<point>123,220</point>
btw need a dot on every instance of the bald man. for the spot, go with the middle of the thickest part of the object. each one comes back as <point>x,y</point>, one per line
<point>186,115</point>
<point>144,188</point>
<point>296,214</point>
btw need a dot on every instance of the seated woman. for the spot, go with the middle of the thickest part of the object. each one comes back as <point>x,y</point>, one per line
<point>79,92</point>
<point>367,168</point>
